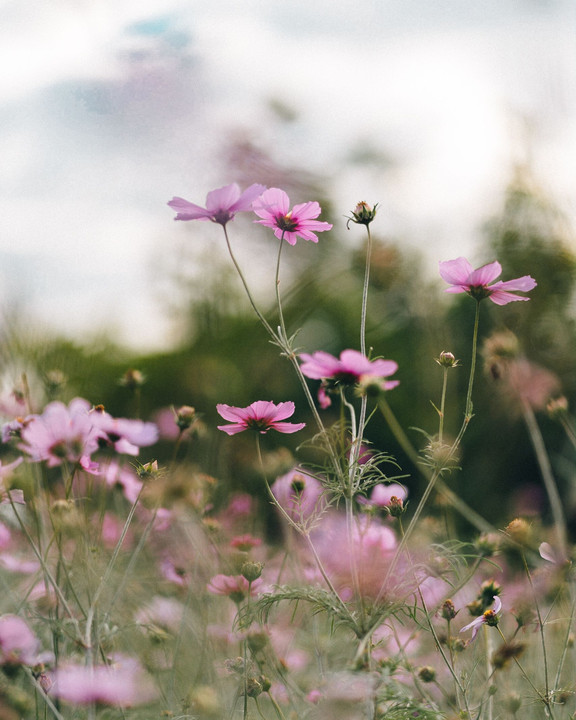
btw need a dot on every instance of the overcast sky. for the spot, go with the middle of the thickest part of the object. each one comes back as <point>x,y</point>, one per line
<point>109,108</point>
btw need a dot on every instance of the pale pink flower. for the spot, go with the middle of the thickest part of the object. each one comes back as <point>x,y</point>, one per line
<point>18,644</point>
<point>487,618</point>
<point>350,368</point>
<point>261,416</point>
<point>235,587</point>
<point>299,494</point>
<point>221,204</point>
<point>125,436</point>
<point>117,476</point>
<point>18,564</point>
<point>122,683</point>
<point>163,611</point>
<point>382,494</point>
<point>463,278</point>
<point>61,433</point>
<point>273,206</point>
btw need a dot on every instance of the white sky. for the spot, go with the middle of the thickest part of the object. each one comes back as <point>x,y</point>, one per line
<point>108,109</point>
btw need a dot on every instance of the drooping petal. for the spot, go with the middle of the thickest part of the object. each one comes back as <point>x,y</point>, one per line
<point>524,284</point>
<point>285,427</point>
<point>233,428</point>
<point>188,211</point>
<point>503,298</point>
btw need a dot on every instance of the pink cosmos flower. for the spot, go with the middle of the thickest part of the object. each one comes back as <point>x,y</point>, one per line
<point>18,644</point>
<point>349,369</point>
<point>221,204</point>
<point>299,494</point>
<point>487,618</point>
<point>463,278</point>
<point>235,587</point>
<point>273,206</point>
<point>125,436</point>
<point>122,683</point>
<point>383,493</point>
<point>261,415</point>
<point>60,433</point>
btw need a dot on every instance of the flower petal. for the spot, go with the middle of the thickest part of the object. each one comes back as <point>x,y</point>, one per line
<point>455,272</point>
<point>485,274</point>
<point>187,210</point>
<point>222,198</point>
<point>285,427</point>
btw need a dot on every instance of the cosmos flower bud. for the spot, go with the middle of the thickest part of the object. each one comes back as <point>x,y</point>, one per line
<point>185,416</point>
<point>557,406</point>
<point>251,570</point>
<point>447,359</point>
<point>253,687</point>
<point>132,379</point>
<point>396,506</point>
<point>362,214</point>
<point>519,531</point>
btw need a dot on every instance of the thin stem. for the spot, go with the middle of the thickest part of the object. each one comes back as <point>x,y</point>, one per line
<point>365,293</point>
<point>549,483</point>
<point>277,287</point>
<point>305,534</point>
<point>442,405</point>
<point>250,298</point>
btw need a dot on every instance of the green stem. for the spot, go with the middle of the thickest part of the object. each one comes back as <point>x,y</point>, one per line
<point>443,405</point>
<point>549,483</point>
<point>247,289</point>
<point>365,293</point>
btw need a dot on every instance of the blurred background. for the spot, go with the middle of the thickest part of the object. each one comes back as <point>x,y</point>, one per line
<point>457,117</point>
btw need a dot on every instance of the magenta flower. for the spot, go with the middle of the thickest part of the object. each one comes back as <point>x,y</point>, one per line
<point>262,416</point>
<point>463,278</point>
<point>489,617</point>
<point>273,206</point>
<point>221,204</point>
<point>349,369</point>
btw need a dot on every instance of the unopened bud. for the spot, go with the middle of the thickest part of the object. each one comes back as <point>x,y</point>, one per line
<point>362,214</point>
<point>396,506</point>
<point>185,417</point>
<point>132,379</point>
<point>251,570</point>
<point>253,687</point>
<point>519,531</point>
<point>557,406</point>
<point>447,360</point>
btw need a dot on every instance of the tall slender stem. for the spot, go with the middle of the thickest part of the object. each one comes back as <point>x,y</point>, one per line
<point>548,477</point>
<point>365,292</point>
<point>247,289</point>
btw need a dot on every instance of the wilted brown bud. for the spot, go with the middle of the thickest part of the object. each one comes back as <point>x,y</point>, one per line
<point>506,652</point>
<point>427,674</point>
<point>448,611</point>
